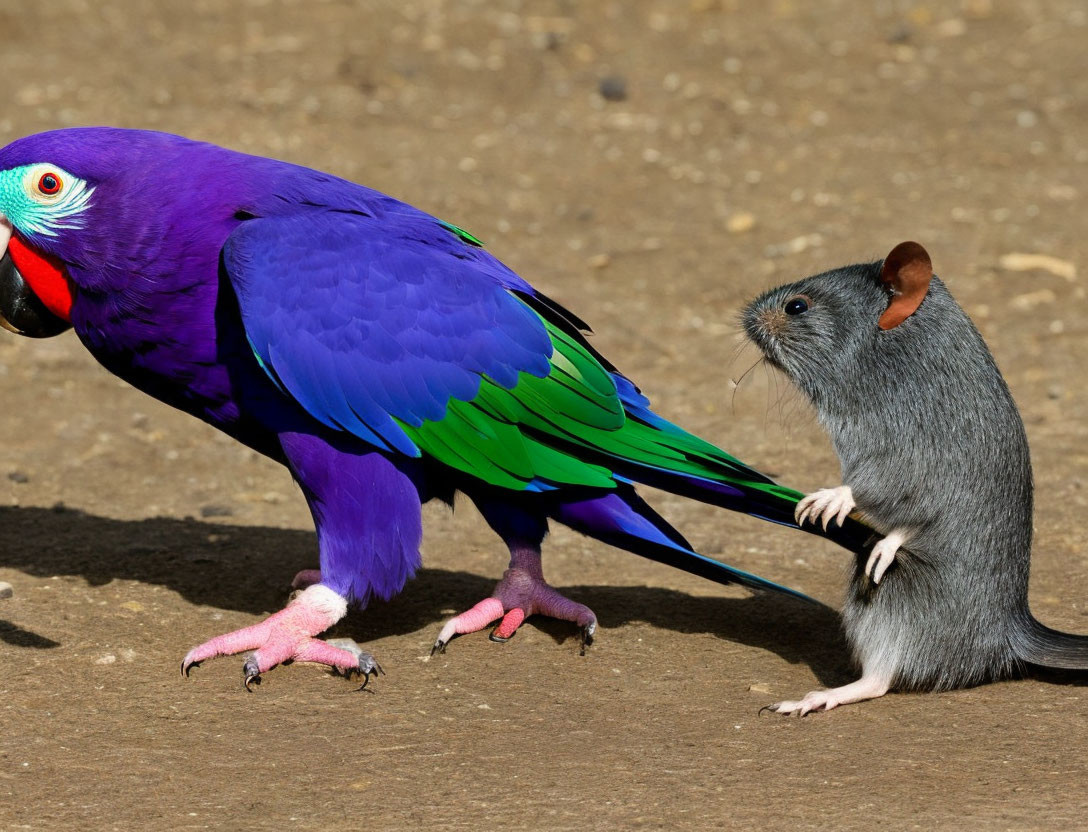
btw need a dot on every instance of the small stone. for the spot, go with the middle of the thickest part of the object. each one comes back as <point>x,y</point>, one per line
<point>1029,300</point>
<point>951,28</point>
<point>1022,262</point>
<point>900,34</point>
<point>1054,391</point>
<point>599,261</point>
<point>216,511</point>
<point>6,590</point>
<point>1026,118</point>
<point>740,222</point>
<point>796,245</point>
<point>760,687</point>
<point>612,88</point>
<point>18,477</point>
<point>132,606</point>
<point>109,658</point>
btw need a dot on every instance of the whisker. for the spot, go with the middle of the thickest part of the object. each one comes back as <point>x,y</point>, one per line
<point>737,383</point>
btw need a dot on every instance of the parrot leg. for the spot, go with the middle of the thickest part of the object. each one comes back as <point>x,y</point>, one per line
<point>306,578</point>
<point>288,635</point>
<point>869,686</point>
<point>521,592</point>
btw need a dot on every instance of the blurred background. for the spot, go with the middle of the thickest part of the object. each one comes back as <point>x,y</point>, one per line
<point>652,165</point>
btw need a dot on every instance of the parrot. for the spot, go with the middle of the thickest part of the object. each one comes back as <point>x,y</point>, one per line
<point>382,355</point>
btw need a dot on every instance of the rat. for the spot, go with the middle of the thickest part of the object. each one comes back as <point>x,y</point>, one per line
<point>934,458</point>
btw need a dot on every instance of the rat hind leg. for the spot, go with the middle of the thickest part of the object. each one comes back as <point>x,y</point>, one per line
<point>870,686</point>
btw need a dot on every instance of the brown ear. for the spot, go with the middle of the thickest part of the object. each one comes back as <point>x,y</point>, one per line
<point>906,272</point>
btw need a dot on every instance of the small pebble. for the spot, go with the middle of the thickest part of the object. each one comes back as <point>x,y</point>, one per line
<point>19,477</point>
<point>740,222</point>
<point>612,88</point>
<point>216,511</point>
<point>1018,261</point>
<point>6,590</point>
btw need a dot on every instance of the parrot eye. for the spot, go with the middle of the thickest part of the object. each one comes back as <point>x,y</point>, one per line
<point>797,305</point>
<point>50,184</point>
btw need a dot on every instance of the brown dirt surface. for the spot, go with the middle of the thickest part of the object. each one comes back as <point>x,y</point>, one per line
<point>741,145</point>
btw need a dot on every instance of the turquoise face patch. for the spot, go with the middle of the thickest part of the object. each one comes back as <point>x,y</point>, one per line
<point>43,199</point>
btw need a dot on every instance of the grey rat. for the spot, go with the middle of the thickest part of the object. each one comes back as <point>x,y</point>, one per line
<point>935,458</point>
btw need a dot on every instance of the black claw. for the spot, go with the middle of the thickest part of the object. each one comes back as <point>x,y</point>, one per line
<point>439,647</point>
<point>587,637</point>
<point>500,639</point>
<point>186,667</point>
<point>770,708</point>
<point>252,673</point>
<point>375,669</point>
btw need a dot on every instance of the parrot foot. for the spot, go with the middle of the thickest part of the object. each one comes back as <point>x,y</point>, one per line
<point>519,594</point>
<point>867,687</point>
<point>826,505</point>
<point>288,635</point>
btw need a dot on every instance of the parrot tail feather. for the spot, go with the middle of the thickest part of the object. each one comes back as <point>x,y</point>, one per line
<point>623,519</point>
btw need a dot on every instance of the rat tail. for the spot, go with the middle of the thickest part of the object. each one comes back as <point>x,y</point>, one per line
<point>1039,645</point>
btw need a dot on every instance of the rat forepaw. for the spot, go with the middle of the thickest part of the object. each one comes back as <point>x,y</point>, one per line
<point>882,555</point>
<point>825,505</point>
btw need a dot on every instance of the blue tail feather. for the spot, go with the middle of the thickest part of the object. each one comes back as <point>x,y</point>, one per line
<point>623,519</point>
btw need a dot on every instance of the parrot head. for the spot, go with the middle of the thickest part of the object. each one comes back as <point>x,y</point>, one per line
<point>41,200</point>
<point>81,204</point>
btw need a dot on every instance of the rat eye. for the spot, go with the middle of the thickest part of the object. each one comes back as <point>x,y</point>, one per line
<point>797,306</point>
<point>50,184</point>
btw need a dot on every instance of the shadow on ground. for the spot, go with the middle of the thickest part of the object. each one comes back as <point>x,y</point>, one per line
<point>248,569</point>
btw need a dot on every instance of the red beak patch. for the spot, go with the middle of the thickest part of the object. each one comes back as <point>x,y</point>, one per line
<point>45,276</point>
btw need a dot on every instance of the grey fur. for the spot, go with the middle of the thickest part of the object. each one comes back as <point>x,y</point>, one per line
<point>929,439</point>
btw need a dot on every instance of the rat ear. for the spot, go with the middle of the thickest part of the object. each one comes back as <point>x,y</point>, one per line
<point>906,273</point>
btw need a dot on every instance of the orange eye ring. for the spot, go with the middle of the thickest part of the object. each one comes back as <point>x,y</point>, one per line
<point>50,184</point>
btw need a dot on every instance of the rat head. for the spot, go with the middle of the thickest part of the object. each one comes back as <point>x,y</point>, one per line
<point>81,207</point>
<point>816,330</point>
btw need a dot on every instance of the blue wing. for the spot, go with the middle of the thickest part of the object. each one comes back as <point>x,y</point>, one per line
<point>365,321</point>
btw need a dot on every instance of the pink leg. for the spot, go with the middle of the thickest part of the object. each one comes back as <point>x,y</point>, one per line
<point>521,592</point>
<point>289,635</point>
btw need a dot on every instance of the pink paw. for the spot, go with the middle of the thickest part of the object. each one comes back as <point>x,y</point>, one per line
<point>817,700</point>
<point>825,505</point>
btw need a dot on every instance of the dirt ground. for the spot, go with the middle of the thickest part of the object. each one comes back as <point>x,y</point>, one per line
<point>741,145</point>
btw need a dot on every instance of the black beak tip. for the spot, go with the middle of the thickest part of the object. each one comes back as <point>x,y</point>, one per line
<point>21,311</point>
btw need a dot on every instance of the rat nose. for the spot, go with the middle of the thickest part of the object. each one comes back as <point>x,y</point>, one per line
<point>763,324</point>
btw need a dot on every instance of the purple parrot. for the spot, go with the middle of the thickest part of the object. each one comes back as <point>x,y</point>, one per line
<point>382,355</point>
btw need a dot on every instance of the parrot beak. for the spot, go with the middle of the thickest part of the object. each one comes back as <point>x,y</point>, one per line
<point>21,311</point>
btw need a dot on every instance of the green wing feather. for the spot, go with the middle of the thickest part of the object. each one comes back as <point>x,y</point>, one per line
<point>568,428</point>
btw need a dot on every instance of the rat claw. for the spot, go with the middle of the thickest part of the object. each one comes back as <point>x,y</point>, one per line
<point>188,664</point>
<point>883,555</point>
<point>439,646</point>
